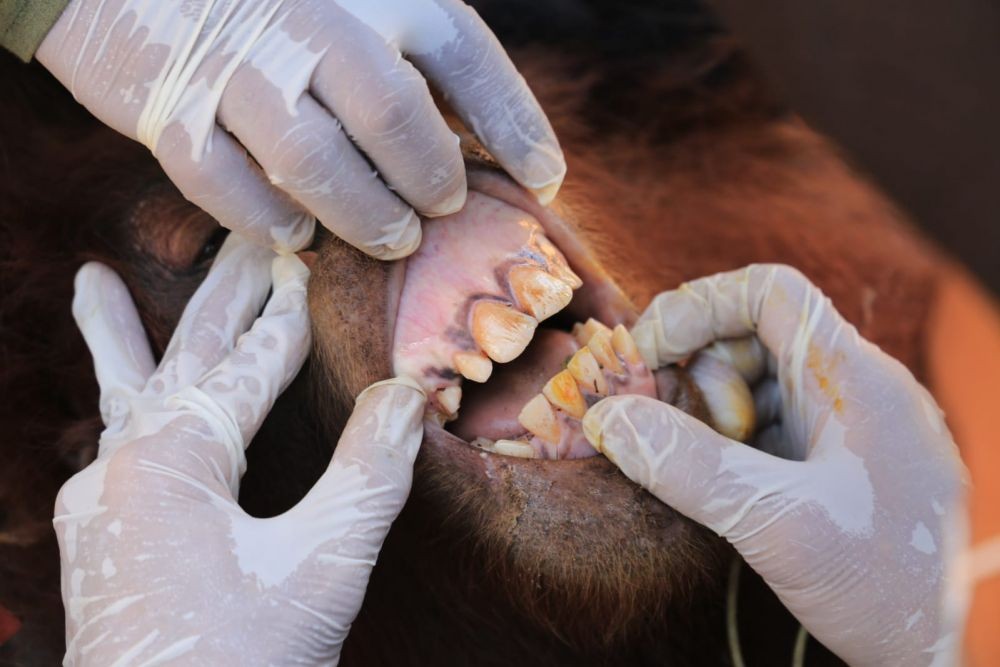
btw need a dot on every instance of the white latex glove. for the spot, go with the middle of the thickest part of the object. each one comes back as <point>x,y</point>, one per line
<point>159,563</point>
<point>313,89</point>
<point>854,528</point>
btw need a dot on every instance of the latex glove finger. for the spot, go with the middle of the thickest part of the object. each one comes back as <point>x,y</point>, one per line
<point>306,153</point>
<point>771,300</point>
<point>716,481</point>
<point>269,356</point>
<point>449,43</point>
<point>344,519</point>
<point>222,308</point>
<point>233,190</point>
<point>107,318</point>
<point>387,109</point>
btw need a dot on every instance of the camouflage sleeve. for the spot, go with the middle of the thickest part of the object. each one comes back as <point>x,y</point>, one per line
<point>24,24</point>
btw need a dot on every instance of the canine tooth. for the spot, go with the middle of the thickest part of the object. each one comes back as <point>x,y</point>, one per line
<point>625,345</point>
<point>538,291</point>
<point>604,353</point>
<point>583,366</point>
<point>584,332</point>
<point>557,262</point>
<point>501,330</point>
<point>726,395</point>
<point>514,448</point>
<point>473,366</point>
<point>538,417</point>
<point>450,398</point>
<point>563,393</point>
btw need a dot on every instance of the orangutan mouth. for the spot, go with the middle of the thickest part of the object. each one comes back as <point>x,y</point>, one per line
<point>488,304</point>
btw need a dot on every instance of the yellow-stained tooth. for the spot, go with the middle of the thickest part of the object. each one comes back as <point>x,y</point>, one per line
<point>600,345</point>
<point>584,332</point>
<point>625,345</point>
<point>515,448</point>
<point>473,366</point>
<point>539,292</point>
<point>449,399</point>
<point>746,355</point>
<point>501,330</point>
<point>583,366</point>
<point>563,393</point>
<point>538,417</point>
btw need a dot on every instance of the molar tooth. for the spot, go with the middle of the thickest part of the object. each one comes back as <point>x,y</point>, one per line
<point>538,417</point>
<point>726,395</point>
<point>584,332</point>
<point>449,399</point>
<point>502,331</point>
<point>604,353</point>
<point>473,366</point>
<point>563,393</point>
<point>515,448</point>
<point>539,292</point>
<point>583,366</point>
<point>625,345</point>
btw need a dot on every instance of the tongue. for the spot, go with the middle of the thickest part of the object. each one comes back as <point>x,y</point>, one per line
<point>491,410</point>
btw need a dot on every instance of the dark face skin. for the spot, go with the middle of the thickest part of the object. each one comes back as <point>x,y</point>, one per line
<point>501,560</point>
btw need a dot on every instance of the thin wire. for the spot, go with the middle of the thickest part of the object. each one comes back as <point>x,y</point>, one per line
<point>799,652</point>
<point>732,629</point>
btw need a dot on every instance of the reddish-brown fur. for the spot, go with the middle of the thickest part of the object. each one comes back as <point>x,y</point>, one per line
<point>690,169</point>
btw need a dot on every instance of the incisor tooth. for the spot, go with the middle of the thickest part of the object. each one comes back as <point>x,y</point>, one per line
<point>625,345</point>
<point>584,332</point>
<point>604,353</point>
<point>449,399</point>
<point>584,368</point>
<point>473,366</point>
<point>563,393</point>
<point>726,395</point>
<point>539,292</point>
<point>514,448</point>
<point>538,417</point>
<point>502,331</point>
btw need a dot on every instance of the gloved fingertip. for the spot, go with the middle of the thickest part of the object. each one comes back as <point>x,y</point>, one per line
<point>398,240</point>
<point>398,381</point>
<point>644,334</point>
<point>294,236</point>
<point>289,270</point>
<point>87,289</point>
<point>453,204</point>
<point>546,194</point>
<point>593,426</point>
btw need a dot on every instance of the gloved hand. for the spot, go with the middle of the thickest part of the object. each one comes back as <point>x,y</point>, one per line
<point>855,514</point>
<point>159,563</point>
<point>311,88</point>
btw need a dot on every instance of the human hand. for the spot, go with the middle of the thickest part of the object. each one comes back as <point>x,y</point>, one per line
<point>854,512</point>
<point>313,89</point>
<point>159,563</point>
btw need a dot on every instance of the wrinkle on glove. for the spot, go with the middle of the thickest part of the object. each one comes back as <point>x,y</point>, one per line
<point>858,528</point>
<point>317,91</point>
<point>159,563</point>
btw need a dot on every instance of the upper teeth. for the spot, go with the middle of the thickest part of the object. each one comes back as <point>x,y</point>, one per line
<point>500,330</point>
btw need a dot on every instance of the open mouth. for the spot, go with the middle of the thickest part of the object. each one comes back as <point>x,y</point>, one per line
<point>514,332</point>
